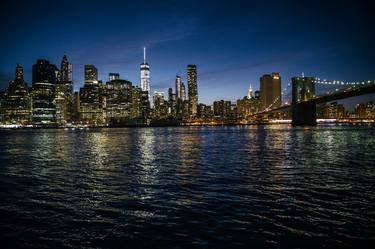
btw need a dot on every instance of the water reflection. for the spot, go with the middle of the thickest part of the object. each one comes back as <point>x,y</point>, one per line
<point>214,186</point>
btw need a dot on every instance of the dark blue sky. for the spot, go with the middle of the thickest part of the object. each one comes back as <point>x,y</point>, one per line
<point>232,42</point>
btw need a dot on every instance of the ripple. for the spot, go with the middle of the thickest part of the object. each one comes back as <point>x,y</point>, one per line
<point>184,187</point>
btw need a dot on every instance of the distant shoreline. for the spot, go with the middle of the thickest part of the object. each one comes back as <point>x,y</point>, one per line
<point>83,127</point>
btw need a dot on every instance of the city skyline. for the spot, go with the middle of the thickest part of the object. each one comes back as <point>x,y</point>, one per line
<point>187,124</point>
<point>227,63</point>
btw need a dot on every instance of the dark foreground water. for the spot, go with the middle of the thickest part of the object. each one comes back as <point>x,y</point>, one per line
<point>188,187</point>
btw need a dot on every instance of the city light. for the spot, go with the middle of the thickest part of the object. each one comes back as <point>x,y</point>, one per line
<point>120,103</point>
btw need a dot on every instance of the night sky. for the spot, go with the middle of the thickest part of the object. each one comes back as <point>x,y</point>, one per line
<point>232,42</point>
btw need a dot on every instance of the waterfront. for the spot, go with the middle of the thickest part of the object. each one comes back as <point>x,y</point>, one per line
<point>185,187</point>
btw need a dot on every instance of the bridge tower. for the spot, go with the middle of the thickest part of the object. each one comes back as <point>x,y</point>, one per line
<point>303,105</point>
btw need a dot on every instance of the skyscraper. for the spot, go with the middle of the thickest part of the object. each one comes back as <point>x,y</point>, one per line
<point>91,98</point>
<point>250,93</point>
<point>192,89</point>
<point>178,83</point>
<point>145,105</point>
<point>118,94</point>
<point>270,91</point>
<point>171,96</point>
<point>17,101</point>
<point>160,107</point>
<point>145,74</point>
<point>114,76</point>
<point>19,72</point>
<point>43,93</point>
<point>64,93</point>
<point>91,74</point>
<point>66,70</point>
<point>44,72</point>
<point>183,92</point>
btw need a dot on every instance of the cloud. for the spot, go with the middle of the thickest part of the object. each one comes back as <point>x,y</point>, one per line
<point>123,48</point>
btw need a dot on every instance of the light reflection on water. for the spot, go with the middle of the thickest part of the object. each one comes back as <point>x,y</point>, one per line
<point>272,186</point>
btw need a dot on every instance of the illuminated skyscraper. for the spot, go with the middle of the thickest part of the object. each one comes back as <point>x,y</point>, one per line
<point>145,74</point>
<point>250,93</point>
<point>17,101</point>
<point>64,93</point>
<point>114,76</point>
<point>183,92</point>
<point>66,70</point>
<point>118,94</point>
<point>172,102</point>
<point>160,106</point>
<point>91,98</point>
<point>192,89</point>
<point>178,83</point>
<point>43,93</point>
<point>270,91</point>
<point>91,74</point>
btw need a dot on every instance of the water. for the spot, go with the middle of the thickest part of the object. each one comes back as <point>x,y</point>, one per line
<point>188,187</point>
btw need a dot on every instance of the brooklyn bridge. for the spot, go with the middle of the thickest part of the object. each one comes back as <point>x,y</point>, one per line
<point>308,92</point>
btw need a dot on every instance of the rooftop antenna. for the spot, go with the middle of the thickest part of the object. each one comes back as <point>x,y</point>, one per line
<point>144,55</point>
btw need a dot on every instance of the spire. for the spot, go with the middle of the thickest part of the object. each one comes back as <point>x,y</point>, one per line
<point>250,93</point>
<point>144,55</point>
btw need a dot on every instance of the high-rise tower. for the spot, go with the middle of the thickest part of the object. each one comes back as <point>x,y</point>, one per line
<point>43,93</point>
<point>145,74</point>
<point>64,93</point>
<point>250,93</point>
<point>66,70</point>
<point>183,92</point>
<point>270,91</point>
<point>192,89</point>
<point>178,83</point>
<point>91,74</point>
<point>19,72</point>
<point>17,102</point>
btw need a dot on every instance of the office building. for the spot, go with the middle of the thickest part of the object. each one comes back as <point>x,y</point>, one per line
<point>44,77</point>
<point>270,91</point>
<point>118,95</point>
<point>113,76</point>
<point>192,89</point>
<point>16,102</point>
<point>92,98</point>
<point>64,93</point>
<point>91,74</point>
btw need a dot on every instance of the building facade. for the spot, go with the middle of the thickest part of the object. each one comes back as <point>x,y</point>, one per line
<point>118,95</point>
<point>145,75</point>
<point>91,97</point>
<point>192,89</point>
<point>16,102</point>
<point>44,77</point>
<point>64,93</point>
<point>270,91</point>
